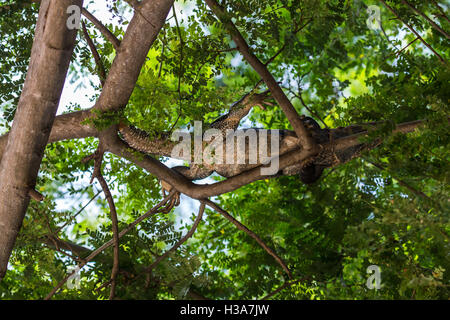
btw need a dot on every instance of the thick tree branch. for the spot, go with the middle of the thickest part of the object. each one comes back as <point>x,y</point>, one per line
<point>18,175</point>
<point>119,148</point>
<point>278,94</point>
<point>182,184</point>
<point>98,61</point>
<point>116,146</point>
<point>131,54</point>
<point>72,125</point>
<point>50,57</point>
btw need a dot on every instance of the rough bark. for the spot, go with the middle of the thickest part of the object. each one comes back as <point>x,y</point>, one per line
<point>21,150</point>
<point>67,126</point>
<point>51,53</point>
<point>50,58</point>
<point>296,156</point>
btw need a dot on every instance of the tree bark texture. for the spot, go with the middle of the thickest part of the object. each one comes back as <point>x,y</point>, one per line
<point>50,57</point>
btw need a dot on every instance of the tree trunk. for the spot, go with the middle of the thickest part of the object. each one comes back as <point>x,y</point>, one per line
<point>50,57</point>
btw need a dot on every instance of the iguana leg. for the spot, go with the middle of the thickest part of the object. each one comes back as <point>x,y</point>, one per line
<point>174,201</point>
<point>138,139</point>
<point>194,173</point>
<point>310,171</point>
<point>229,121</point>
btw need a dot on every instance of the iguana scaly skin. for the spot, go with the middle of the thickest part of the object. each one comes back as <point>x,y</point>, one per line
<point>143,142</point>
<point>309,171</point>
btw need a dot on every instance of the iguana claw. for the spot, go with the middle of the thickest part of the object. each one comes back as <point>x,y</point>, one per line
<point>174,200</point>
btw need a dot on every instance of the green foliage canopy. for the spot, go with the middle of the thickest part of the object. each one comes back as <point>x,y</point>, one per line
<point>388,208</point>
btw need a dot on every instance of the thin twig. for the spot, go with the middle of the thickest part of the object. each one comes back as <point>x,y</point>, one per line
<point>98,159</point>
<point>294,118</point>
<point>182,240</point>
<point>242,227</point>
<point>57,249</point>
<point>281,288</point>
<point>98,61</point>
<point>162,58</point>
<point>423,15</point>
<point>401,50</point>
<point>136,8</point>
<point>312,112</point>
<point>56,243</point>
<point>402,182</point>
<point>104,285</point>
<point>414,31</point>
<point>36,195</point>
<point>105,31</point>
<point>78,212</point>
<point>154,210</point>
<point>115,228</point>
<point>180,75</point>
<point>441,10</point>
<point>285,44</point>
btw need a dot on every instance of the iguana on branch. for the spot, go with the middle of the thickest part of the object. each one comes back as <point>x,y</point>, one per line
<point>309,171</point>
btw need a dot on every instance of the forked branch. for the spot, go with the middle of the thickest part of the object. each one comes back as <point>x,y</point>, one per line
<point>156,209</point>
<point>242,227</point>
<point>181,241</point>
<point>101,27</point>
<point>277,93</point>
